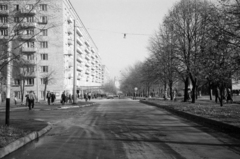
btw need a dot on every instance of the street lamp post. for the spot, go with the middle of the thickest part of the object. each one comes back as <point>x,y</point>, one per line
<point>74,65</point>
<point>8,83</point>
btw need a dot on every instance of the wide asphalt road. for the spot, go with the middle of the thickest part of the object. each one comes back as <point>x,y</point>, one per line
<point>125,129</point>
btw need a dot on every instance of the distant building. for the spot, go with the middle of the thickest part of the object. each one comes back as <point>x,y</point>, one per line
<point>52,39</point>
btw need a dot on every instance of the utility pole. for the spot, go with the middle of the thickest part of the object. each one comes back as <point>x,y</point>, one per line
<point>8,83</point>
<point>74,64</point>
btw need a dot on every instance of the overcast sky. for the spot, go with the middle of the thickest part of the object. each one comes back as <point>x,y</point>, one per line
<point>108,20</point>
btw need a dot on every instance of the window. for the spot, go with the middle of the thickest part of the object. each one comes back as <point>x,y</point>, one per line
<point>16,7</point>
<point>29,19</point>
<point>43,7</point>
<point>44,68</point>
<point>43,80</point>
<point>30,69</point>
<point>43,19</point>
<point>3,19</point>
<point>44,56</point>
<point>4,32</point>
<point>29,81</point>
<point>16,19</point>
<point>16,82</point>
<point>30,57</point>
<point>3,7</point>
<point>43,44</point>
<point>29,6</point>
<point>16,32</point>
<point>29,44</point>
<point>44,32</point>
<point>29,32</point>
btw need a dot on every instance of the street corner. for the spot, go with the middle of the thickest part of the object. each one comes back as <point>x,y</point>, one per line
<point>24,140</point>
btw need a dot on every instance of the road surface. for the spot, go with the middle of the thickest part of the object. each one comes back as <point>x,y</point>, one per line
<point>124,129</point>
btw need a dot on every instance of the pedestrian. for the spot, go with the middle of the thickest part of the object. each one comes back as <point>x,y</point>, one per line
<point>31,100</point>
<point>217,95</point>
<point>89,96</point>
<point>48,97</point>
<point>85,97</point>
<point>27,99</point>
<point>70,98</point>
<point>229,95</point>
<point>15,100</point>
<point>52,98</point>
<point>174,95</point>
<point>63,98</point>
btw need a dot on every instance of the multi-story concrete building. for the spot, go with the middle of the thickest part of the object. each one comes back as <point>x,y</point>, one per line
<point>53,44</point>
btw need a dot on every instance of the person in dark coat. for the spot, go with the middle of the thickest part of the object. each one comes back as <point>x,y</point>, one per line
<point>52,97</point>
<point>85,97</point>
<point>63,97</point>
<point>31,100</point>
<point>48,97</point>
<point>229,95</point>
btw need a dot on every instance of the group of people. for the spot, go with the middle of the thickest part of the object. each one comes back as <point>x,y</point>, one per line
<point>50,97</point>
<point>89,96</point>
<point>30,99</point>
<point>226,95</point>
<point>66,98</point>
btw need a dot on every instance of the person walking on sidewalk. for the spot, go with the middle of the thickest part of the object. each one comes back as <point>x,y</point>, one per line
<point>63,97</point>
<point>48,97</point>
<point>53,98</point>
<point>27,99</point>
<point>31,100</point>
<point>85,97</point>
<point>15,100</point>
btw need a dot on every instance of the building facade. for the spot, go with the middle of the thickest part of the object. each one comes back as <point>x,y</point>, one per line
<point>53,49</point>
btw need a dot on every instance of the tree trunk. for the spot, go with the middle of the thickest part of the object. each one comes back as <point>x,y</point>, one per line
<point>170,89</point>
<point>210,90</point>
<point>44,94</point>
<point>186,89</point>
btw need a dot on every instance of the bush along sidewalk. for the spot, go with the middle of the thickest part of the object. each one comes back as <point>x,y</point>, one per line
<point>233,131</point>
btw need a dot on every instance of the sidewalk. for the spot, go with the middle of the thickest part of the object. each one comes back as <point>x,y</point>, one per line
<point>43,105</point>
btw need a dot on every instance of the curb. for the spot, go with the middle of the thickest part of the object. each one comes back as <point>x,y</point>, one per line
<point>217,125</point>
<point>23,141</point>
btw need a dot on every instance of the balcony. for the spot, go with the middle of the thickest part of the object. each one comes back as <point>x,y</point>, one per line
<point>70,41</point>
<point>79,58</point>
<point>93,57</point>
<point>69,53</point>
<point>79,50</point>
<point>4,12</point>
<point>87,57</point>
<point>87,71</point>
<point>87,63</point>
<point>27,37</point>
<point>79,67</point>
<point>28,25</point>
<point>79,32</point>
<point>4,25</point>
<point>87,43</point>
<point>70,30</point>
<point>70,20</point>
<point>30,74</point>
<point>87,50</point>
<point>2,37</point>
<point>26,11</point>
<point>79,41</point>
<point>29,49</point>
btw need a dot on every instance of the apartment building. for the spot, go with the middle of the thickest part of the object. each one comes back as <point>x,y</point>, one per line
<point>53,46</point>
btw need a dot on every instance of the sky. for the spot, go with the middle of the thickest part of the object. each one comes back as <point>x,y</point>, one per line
<point>108,20</point>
